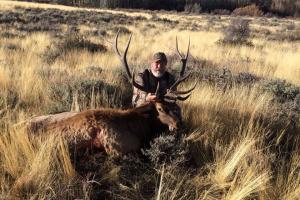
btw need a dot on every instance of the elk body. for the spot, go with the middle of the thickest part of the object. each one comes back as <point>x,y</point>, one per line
<point>115,131</point>
<point>119,131</point>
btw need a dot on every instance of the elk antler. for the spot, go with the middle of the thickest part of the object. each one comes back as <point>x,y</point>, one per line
<point>172,94</point>
<point>181,79</point>
<point>183,58</point>
<point>123,60</point>
<point>123,57</point>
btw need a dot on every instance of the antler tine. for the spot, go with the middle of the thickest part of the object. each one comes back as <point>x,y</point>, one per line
<point>183,59</point>
<point>170,97</point>
<point>170,100</point>
<point>182,78</point>
<point>183,98</point>
<point>178,52</point>
<point>126,49</point>
<point>116,45</point>
<point>188,50</point>
<point>123,58</point>
<point>185,92</point>
<point>135,84</point>
<point>157,90</point>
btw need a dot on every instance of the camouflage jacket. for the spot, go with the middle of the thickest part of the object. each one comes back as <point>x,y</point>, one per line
<point>149,81</point>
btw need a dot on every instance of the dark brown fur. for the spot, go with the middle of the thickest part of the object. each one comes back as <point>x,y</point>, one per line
<point>116,131</point>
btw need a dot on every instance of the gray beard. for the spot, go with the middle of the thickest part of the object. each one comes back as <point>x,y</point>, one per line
<point>157,74</point>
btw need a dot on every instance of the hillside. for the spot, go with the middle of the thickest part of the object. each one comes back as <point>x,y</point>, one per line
<point>240,138</point>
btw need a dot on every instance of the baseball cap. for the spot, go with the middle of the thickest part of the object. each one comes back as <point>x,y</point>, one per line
<point>159,56</point>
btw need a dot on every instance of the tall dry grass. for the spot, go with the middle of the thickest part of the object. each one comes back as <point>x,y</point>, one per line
<point>237,138</point>
<point>33,169</point>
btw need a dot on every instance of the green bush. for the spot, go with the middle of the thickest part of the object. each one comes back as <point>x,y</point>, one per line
<point>193,8</point>
<point>71,42</point>
<point>167,149</point>
<point>80,42</point>
<point>282,90</point>
<point>237,33</point>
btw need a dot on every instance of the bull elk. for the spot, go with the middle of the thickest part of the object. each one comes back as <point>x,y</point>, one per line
<point>120,131</point>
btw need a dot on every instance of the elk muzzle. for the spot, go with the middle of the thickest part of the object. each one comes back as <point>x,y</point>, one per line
<point>175,126</point>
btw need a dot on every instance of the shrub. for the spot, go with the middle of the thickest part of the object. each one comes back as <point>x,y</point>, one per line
<point>93,70</point>
<point>193,8</point>
<point>9,98</point>
<point>251,10</point>
<point>282,90</point>
<point>9,17</point>
<point>51,54</point>
<point>72,30</point>
<point>8,35</point>
<point>165,21</point>
<point>167,149</point>
<point>93,85</point>
<point>292,35</point>
<point>80,42</point>
<point>247,78</point>
<point>290,26</point>
<point>70,43</point>
<point>99,33</point>
<point>221,12</point>
<point>122,29</point>
<point>104,94</point>
<point>237,33</point>
<point>286,36</point>
<point>285,7</point>
<point>40,26</point>
<point>13,47</point>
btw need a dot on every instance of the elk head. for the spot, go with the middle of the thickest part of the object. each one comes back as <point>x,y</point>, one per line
<point>166,110</point>
<point>169,114</point>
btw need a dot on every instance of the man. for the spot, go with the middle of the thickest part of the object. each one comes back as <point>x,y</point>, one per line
<point>150,78</point>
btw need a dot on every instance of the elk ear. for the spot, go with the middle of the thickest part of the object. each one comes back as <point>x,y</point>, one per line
<point>145,110</point>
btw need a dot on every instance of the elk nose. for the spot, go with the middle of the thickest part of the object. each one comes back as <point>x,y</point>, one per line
<point>171,128</point>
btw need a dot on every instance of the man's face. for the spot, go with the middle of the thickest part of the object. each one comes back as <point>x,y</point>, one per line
<point>158,68</point>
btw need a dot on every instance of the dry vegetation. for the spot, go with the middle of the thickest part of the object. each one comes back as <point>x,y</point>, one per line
<point>241,139</point>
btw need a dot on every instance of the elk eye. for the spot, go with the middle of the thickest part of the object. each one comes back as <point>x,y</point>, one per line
<point>160,110</point>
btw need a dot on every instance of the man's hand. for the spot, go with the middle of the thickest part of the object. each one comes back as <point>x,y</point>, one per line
<point>151,97</point>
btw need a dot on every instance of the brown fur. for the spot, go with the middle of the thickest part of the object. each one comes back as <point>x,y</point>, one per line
<point>116,131</point>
